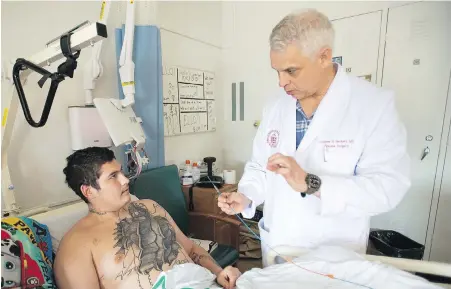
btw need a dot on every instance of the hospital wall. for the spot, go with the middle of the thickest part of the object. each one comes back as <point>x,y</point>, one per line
<point>37,155</point>
<point>191,38</point>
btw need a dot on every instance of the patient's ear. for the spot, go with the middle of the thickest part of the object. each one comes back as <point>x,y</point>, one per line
<point>87,191</point>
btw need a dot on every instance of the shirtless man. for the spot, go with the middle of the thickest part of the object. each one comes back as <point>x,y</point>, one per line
<point>121,243</point>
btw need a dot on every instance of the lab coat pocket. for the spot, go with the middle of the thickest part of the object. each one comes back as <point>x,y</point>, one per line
<point>343,158</point>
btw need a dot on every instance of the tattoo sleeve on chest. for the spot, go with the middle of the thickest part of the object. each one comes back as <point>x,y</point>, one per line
<point>152,236</point>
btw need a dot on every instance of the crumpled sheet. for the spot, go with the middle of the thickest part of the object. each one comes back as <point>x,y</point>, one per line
<point>342,263</point>
<point>186,276</point>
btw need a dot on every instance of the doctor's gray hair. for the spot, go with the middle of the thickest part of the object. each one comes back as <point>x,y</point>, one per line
<point>309,29</point>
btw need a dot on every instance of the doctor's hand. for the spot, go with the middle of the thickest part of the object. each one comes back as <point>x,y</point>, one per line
<point>227,277</point>
<point>233,203</point>
<point>289,169</point>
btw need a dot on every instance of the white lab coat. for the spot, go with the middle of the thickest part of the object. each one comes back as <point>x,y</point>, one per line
<point>355,143</point>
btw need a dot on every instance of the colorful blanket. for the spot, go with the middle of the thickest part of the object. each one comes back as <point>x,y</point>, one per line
<point>27,258</point>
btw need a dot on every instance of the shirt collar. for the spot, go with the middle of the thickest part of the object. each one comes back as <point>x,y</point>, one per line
<point>338,69</point>
<point>299,108</point>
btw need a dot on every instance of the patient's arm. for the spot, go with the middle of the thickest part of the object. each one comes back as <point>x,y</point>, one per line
<point>196,253</point>
<point>74,266</point>
<point>202,258</point>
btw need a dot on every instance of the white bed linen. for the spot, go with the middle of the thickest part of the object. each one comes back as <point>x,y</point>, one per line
<point>341,263</point>
<point>330,260</point>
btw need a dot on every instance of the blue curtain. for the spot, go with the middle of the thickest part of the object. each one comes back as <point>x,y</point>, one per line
<point>148,88</point>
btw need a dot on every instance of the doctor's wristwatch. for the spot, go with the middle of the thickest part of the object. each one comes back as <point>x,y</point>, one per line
<point>313,184</point>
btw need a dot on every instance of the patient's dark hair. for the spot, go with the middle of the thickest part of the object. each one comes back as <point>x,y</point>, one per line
<point>83,168</point>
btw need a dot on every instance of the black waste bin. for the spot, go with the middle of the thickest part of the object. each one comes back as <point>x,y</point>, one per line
<point>393,244</point>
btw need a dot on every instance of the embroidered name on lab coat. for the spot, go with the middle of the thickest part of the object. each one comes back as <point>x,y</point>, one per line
<point>345,143</point>
<point>335,145</point>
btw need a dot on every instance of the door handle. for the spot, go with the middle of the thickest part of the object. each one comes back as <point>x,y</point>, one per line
<point>426,151</point>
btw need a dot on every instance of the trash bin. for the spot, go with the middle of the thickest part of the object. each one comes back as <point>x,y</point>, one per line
<point>393,244</point>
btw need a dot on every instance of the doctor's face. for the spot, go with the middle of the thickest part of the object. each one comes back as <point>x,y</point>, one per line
<point>300,76</point>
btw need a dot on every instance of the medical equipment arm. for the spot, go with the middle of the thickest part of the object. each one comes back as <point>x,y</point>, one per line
<point>253,182</point>
<point>127,67</point>
<point>76,39</point>
<point>93,69</point>
<point>382,174</point>
<point>117,115</point>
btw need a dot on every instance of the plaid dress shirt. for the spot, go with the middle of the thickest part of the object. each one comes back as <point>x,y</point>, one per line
<point>302,123</point>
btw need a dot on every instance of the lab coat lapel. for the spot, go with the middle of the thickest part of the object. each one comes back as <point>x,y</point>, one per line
<point>330,110</point>
<point>288,142</point>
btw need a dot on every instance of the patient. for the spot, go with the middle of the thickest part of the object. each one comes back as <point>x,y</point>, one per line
<point>121,243</point>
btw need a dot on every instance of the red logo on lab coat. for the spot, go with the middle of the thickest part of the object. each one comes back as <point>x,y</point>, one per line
<point>273,138</point>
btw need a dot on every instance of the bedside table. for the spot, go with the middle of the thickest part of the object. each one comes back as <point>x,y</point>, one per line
<point>221,227</point>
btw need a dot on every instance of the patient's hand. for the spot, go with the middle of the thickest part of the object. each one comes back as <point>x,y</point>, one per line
<point>227,278</point>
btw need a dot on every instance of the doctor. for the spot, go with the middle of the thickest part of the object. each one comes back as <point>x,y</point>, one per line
<point>330,151</point>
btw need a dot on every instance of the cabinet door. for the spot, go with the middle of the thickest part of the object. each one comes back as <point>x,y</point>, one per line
<point>357,44</point>
<point>441,249</point>
<point>417,67</point>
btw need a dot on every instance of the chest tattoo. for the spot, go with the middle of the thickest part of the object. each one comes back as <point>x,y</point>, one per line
<point>151,239</point>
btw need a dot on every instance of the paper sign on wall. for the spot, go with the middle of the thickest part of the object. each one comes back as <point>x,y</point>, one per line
<point>188,100</point>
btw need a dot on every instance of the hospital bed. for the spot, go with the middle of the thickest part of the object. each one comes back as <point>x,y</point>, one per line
<point>60,220</point>
<point>413,266</point>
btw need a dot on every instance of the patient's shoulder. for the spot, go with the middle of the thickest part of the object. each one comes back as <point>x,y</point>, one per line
<point>74,247</point>
<point>152,206</point>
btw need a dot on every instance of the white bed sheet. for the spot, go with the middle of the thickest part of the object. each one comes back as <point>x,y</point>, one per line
<point>330,260</point>
<point>341,263</point>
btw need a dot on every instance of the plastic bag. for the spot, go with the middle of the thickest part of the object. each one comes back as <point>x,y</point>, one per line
<point>393,244</point>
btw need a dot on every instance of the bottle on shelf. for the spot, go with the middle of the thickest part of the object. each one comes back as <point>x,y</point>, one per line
<point>196,173</point>
<point>187,178</point>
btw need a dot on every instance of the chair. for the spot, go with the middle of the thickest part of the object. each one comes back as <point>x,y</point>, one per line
<point>162,185</point>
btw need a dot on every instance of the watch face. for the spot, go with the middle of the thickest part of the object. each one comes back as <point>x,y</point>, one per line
<point>314,182</point>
